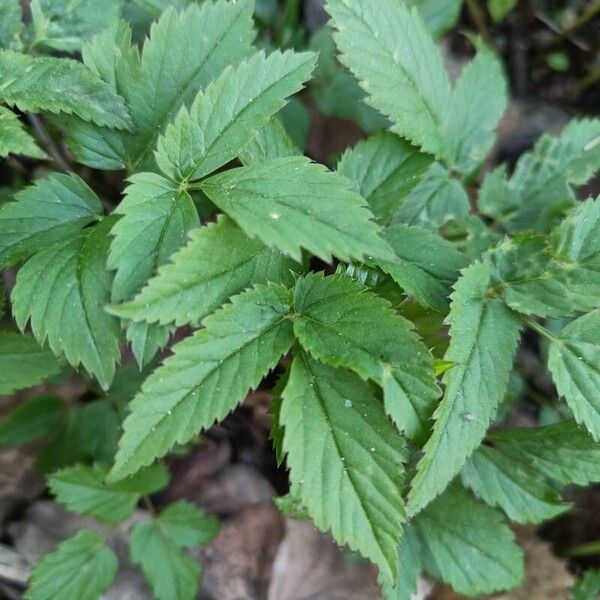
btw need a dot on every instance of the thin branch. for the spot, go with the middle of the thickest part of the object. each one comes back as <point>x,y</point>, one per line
<point>48,142</point>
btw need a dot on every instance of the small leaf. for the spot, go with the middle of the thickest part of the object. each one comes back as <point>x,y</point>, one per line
<point>31,420</point>
<point>187,525</point>
<point>409,568</point>
<point>13,137</point>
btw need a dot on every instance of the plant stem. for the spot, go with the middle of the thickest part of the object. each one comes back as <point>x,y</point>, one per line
<point>48,142</point>
<point>541,330</point>
<point>586,549</point>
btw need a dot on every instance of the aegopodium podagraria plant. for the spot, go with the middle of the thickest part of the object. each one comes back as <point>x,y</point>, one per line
<point>341,282</point>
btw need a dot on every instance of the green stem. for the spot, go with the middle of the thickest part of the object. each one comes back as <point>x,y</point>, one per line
<point>586,549</point>
<point>541,330</point>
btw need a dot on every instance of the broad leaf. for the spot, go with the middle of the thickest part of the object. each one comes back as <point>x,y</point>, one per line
<point>342,324</point>
<point>62,290</point>
<point>345,459</point>
<point>81,567</point>
<point>207,376</point>
<point>13,137</point>
<point>216,129</point>
<point>31,420</point>
<point>484,335</point>
<point>291,203</point>
<point>220,260</point>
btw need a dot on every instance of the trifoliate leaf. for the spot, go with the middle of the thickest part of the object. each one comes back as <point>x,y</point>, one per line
<point>468,546</point>
<point>517,489</point>
<point>342,324</point>
<point>484,335</point>
<point>83,490</point>
<point>384,170</point>
<point>187,525</point>
<point>11,24</point>
<point>426,266</point>
<point>184,52</point>
<point>43,83</point>
<point>23,363</point>
<point>81,567</point>
<point>437,199</point>
<point>62,291</point>
<point>345,459</point>
<point>220,260</point>
<point>478,103</point>
<point>216,128</point>
<point>13,137</point>
<point>438,18</point>
<point>409,568</point>
<point>31,420</point>
<point>271,141</point>
<point>391,53</point>
<point>44,213</point>
<point>207,376</point>
<point>291,203</point>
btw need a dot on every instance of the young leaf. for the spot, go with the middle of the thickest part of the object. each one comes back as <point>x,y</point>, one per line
<point>391,53</point>
<point>36,83</point>
<point>62,290</point>
<point>23,363</point>
<point>207,376</point>
<point>220,260</point>
<point>426,266</point>
<point>44,213</point>
<point>409,568</point>
<point>468,545</point>
<point>31,420</point>
<point>83,490</point>
<point>146,340</point>
<point>484,335</point>
<point>13,137</point>
<point>81,567</point>
<point>215,129</point>
<point>515,488</point>
<point>291,203</point>
<point>340,323</point>
<point>345,459</point>
<point>271,141</point>
<point>187,525</point>
<point>384,170</point>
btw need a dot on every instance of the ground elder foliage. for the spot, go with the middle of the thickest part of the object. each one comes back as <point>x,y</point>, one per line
<point>273,264</point>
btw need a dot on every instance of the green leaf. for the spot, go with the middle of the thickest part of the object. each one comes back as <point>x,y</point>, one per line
<point>438,17</point>
<point>291,203</point>
<point>409,567</point>
<point>31,420</point>
<point>81,567</point>
<point>499,9</point>
<point>49,211</point>
<point>13,137</point>
<point>437,199</point>
<point>468,546</point>
<point>271,141</point>
<point>342,324</point>
<point>59,85</point>
<point>176,63</point>
<point>478,102</point>
<point>220,260</point>
<point>11,24</point>
<point>564,451</point>
<point>62,290</point>
<point>588,587</point>
<point>187,525</point>
<point>384,170</point>
<point>215,129</point>
<point>345,459</point>
<point>83,490</point>
<point>146,340</point>
<point>425,265</point>
<point>517,489</point>
<point>23,363</point>
<point>98,427</point>
<point>207,376</point>
<point>484,335</point>
<point>574,361</point>
<point>410,87</point>
<point>155,217</point>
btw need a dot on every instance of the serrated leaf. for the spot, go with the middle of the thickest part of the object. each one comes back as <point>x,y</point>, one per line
<point>345,459</point>
<point>83,490</point>
<point>175,64</point>
<point>13,137</point>
<point>31,420</point>
<point>468,546</point>
<point>81,567</point>
<point>518,490</point>
<point>409,568</point>
<point>271,141</point>
<point>291,203</point>
<point>187,525</point>
<point>220,260</point>
<point>11,24</point>
<point>426,266</point>
<point>342,324</point>
<point>377,41</point>
<point>59,85</point>
<point>146,340</point>
<point>484,335</point>
<point>44,213</point>
<point>438,18</point>
<point>227,115</point>
<point>207,376</point>
<point>384,170</point>
<point>61,291</point>
<point>23,363</point>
